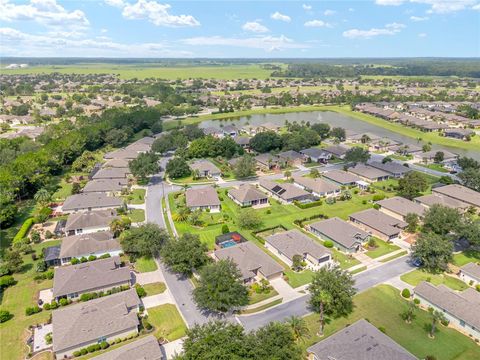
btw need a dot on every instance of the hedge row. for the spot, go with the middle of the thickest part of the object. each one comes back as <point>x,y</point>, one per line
<point>308,205</point>
<point>22,233</point>
<point>300,222</point>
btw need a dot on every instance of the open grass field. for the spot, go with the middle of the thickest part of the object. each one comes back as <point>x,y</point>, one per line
<point>167,321</point>
<point>142,71</point>
<point>417,276</point>
<point>381,306</point>
<point>15,299</point>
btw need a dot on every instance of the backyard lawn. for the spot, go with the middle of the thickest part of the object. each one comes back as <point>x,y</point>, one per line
<point>382,248</point>
<point>15,299</point>
<point>381,306</point>
<point>64,191</point>
<point>167,321</point>
<point>144,264</point>
<point>154,288</point>
<point>417,276</point>
<point>466,257</point>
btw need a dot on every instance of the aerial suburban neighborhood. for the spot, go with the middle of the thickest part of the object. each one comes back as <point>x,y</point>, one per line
<point>265,198</point>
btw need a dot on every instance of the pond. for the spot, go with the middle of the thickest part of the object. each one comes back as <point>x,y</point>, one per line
<point>335,120</point>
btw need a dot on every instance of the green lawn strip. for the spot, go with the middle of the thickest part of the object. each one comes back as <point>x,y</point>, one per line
<point>167,321</point>
<point>144,264</point>
<point>137,197</point>
<point>466,257</point>
<point>16,299</point>
<point>155,288</point>
<point>417,276</point>
<point>137,215</point>
<point>25,210</point>
<point>358,270</point>
<point>389,258</point>
<point>381,306</point>
<point>436,167</point>
<point>256,298</point>
<point>382,248</point>
<point>345,261</point>
<point>189,180</point>
<point>263,307</point>
<point>165,217</point>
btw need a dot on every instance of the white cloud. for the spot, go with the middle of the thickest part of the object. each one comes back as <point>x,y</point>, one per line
<point>103,31</point>
<point>389,29</point>
<point>317,23</point>
<point>45,12</point>
<point>153,11</point>
<point>267,43</point>
<point>422,35</point>
<point>351,9</point>
<point>17,43</point>
<point>436,6</point>
<point>329,12</point>
<point>254,26</point>
<point>389,2</point>
<point>307,7</point>
<point>281,17</point>
<point>476,7</point>
<point>419,18</point>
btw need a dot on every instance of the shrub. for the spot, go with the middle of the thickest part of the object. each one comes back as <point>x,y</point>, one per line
<point>41,266</point>
<point>146,325</point>
<point>364,202</point>
<point>32,310</point>
<point>83,351</point>
<point>48,234</point>
<point>5,316</point>
<point>406,293</point>
<point>308,205</point>
<point>416,301</point>
<point>35,236</point>
<point>378,197</point>
<point>269,211</point>
<point>49,275</point>
<point>225,229</point>
<point>445,322</point>
<point>22,233</point>
<point>46,306</point>
<point>6,281</point>
<point>48,338</point>
<point>83,259</point>
<point>92,258</point>
<point>104,345</point>
<point>53,305</point>
<point>74,261</point>
<point>63,302</point>
<point>105,256</point>
<point>382,329</point>
<point>88,296</point>
<point>372,242</point>
<point>140,291</point>
<point>477,287</point>
<point>77,353</point>
<point>328,244</point>
<point>376,206</point>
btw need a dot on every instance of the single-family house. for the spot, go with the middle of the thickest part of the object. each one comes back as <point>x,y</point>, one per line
<point>84,245</point>
<point>268,162</point>
<point>287,244</point>
<point>285,192</point>
<point>458,133</point>
<point>203,198</point>
<point>337,150</point>
<point>369,173</point>
<point>248,195</point>
<point>395,169</point>
<point>379,224</point>
<point>470,273</point>
<point>359,341</point>
<point>89,221</point>
<point>316,155</point>
<point>460,308</point>
<point>111,187</point>
<point>121,154</point>
<point>104,319</point>
<point>318,186</point>
<point>429,157</point>
<point>93,276</point>
<point>439,199</point>
<point>243,141</point>
<point>461,193</point>
<point>146,348</point>
<point>345,236</point>
<point>342,178</point>
<point>398,207</point>
<point>90,201</point>
<point>291,158</point>
<point>205,169</point>
<point>142,145</point>
<point>110,173</point>
<point>116,163</point>
<point>253,263</point>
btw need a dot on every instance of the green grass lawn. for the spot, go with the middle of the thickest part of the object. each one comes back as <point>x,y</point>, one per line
<point>15,299</point>
<point>381,306</point>
<point>382,248</point>
<point>137,215</point>
<point>390,258</point>
<point>466,257</point>
<point>155,288</point>
<point>416,276</point>
<point>345,261</point>
<point>25,210</point>
<point>64,191</point>
<point>436,167</point>
<point>137,197</point>
<point>144,264</point>
<point>263,307</point>
<point>167,321</point>
<point>256,298</point>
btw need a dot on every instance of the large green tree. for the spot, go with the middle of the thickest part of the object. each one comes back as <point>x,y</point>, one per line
<point>357,155</point>
<point>249,219</point>
<point>434,251</point>
<point>144,165</point>
<point>274,341</point>
<point>471,178</point>
<point>177,168</point>
<point>145,240</point>
<point>266,141</point>
<point>245,167</point>
<point>331,293</point>
<point>412,185</point>
<point>442,220</point>
<point>221,287</point>
<point>185,254</point>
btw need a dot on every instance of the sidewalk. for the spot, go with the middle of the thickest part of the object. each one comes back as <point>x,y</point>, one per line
<point>157,300</point>
<point>172,348</point>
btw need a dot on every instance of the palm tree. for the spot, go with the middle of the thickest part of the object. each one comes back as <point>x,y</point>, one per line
<point>287,174</point>
<point>324,299</point>
<point>409,314</point>
<point>314,173</point>
<point>436,317</point>
<point>181,214</point>
<point>298,326</point>
<point>365,139</point>
<point>42,196</point>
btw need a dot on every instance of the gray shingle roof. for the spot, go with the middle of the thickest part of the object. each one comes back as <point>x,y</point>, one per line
<point>285,191</point>
<point>390,167</point>
<point>359,341</point>
<point>204,166</point>
<point>88,321</point>
<point>105,185</point>
<point>247,193</point>
<point>472,270</point>
<point>146,348</point>
<point>460,192</point>
<point>314,152</point>
<point>317,185</point>
<point>82,220</point>
<point>402,206</point>
<point>116,163</point>
<point>90,200</point>
<point>433,199</point>
<point>290,155</point>
<point>86,244</point>
<point>368,172</point>
<point>341,177</point>
<point>294,242</point>
<point>88,276</point>
<point>205,196</point>
<point>249,258</point>
<point>111,173</point>
<point>121,154</point>
<point>464,305</point>
<point>337,150</point>
<point>340,231</point>
<point>379,221</point>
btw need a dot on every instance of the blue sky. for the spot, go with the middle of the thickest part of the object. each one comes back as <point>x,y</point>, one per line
<point>255,29</point>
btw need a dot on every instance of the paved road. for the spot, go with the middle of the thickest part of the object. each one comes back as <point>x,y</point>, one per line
<point>298,307</point>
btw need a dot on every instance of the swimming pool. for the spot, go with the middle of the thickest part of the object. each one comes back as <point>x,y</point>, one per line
<point>227,244</point>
